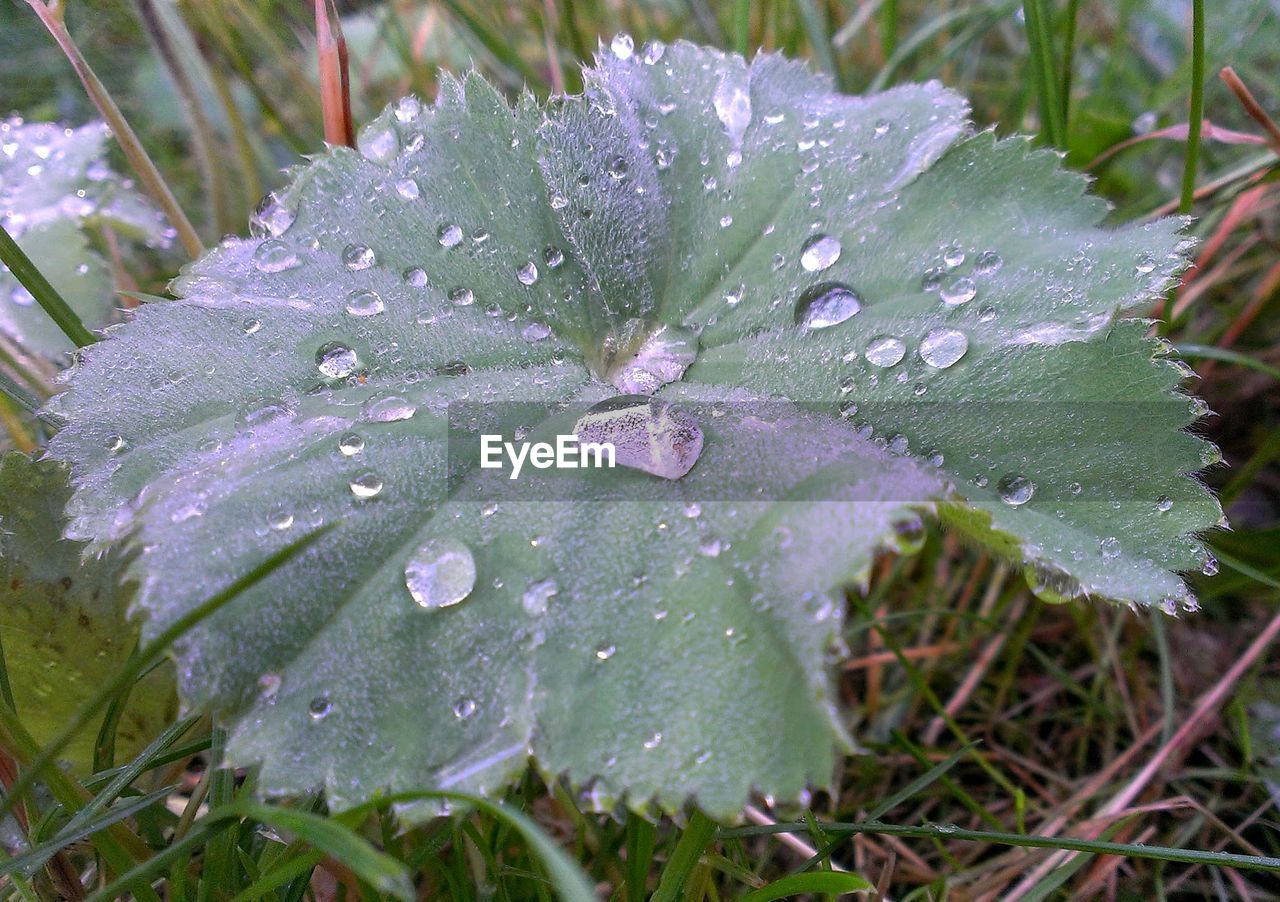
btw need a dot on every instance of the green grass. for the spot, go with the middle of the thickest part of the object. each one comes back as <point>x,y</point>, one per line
<point>1009,743</point>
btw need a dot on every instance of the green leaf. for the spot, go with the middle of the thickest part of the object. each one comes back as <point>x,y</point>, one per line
<point>754,252</point>
<point>53,183</point>
<point>836,882</point>
<point>63,617</point>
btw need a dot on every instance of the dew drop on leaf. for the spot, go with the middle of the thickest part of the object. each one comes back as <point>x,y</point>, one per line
<point>957,291</point>
<point>987,263</point>
<point>605,652</point>
<point>449,235</point>
<point>407,188</point>
<point>1015,489</point>
<point>388,409</point>
<point>943,347</point>
<point>527,274</point>
<point>272,218</point>
<point>364,302</point>
<point>358,256</point>
<point>826,304</point>
<point>1146,263</point>
<point>647,434</point>
<point>319,707</point>
<point>274,255</point>
<point>820,252</point>
<point>440,573</point>
<point>464,707</point>
<point>553,257</point>
<point>335,360</point>
<point>885,351</point>
<point>1109,548</point>
<point>351,444</point>
<point>250,326</point>
<point>462,297</point>
<point>367,485</point>
<point>379,142</point>
<point>1164,504</point>
<point>535,332</point>
<point>622,46</point>
<point>279,518</point>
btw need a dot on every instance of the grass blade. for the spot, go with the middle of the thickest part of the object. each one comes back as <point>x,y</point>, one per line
<point>1197,108</point>
<point>837,882</point>
<point>1040,44</point>
<point>689,849</point>
<point>45,294</point>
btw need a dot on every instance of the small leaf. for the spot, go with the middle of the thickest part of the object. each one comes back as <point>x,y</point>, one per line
<point>64,617</point>
<point>805,319</point>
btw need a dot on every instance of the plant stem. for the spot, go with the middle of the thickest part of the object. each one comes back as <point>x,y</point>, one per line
<point>1040,43</point>
<point>1197,107</point>
<point>51,14</point>
<point>335,88</point>
<point>45,294</point>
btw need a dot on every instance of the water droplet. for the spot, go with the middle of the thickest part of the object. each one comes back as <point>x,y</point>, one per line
<point>1164,504</point>
<point>336,360</point>
<point>622,46</point>
<point>388,409</point>
<point>535,332</point>
<point>932,278</point>
<point>653,51</point>
<point>250,326</point>
<point>271,219</point>
<point>553,257</point>
<point>279,518</point>
<point>618,168</point>
<point>440,573</point>
<point>986,314</point>
<point>647,434</point>
<point>366,485</point>
<point>378,142</point>
<point>885,351</point>
<point>909,534</point>
<point>1210,566</point>
<point>449,235</point>
<point>1109,548</point>
<point>605,652</point>
<point>826,304</point>
<point>453,368</point>
<point>952,256</point>
<point>464,708</point>
<point>407,188</point>
<point>364,302</point>
<point>943,347</point>
<point>662,358</point>
<point>415,277</point>
<point>462,297</point>
<point>537,597</point>
<point>820,252</point>
<point>1146,263</point>
<point>274,255</point>
<point>1050,583</point>
<point>527,274</point>
<point>987,263</point>
<point>733,108</point>
<point>319,707</point>
<point>114,443</point>
<point>407,108</point>
<point>1015,490</point>
<point>956,291</point>
<point>358,256</point>
<point>351,444</point>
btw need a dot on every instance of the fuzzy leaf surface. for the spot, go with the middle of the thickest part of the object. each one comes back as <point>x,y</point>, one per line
<point>734,240</point>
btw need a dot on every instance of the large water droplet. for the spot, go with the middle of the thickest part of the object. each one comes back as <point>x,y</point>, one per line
<point>407,188</point>
<point>527,274</point>
<point>663,358</point>
<point>366,485</point>
<point>885,351</point>
<point>440,573</point>
<point>646,433</point>
<point>462,297</point>
<point>1015,489</point>
<point>957,291</point>
<point>733,107</point>
<point>449,235</point>
<point>274,255</point>
<point>553,257</point>
<point>826,304</point>
<point>335,360</point>
<point>364,302</point>
<point>271,219</point>
<point>358,256</point>
<point>622,46</point>
<point>351,444</point>
<point>820,252</point>
<point>943,347</point>
<point>388,409</point>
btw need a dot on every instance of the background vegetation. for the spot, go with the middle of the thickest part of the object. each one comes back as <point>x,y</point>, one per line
<point>1009,742</point>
